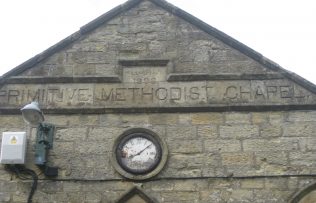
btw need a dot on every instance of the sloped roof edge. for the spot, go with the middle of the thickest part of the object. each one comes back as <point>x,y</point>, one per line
<point>176,11</point>
<point>72,38</point>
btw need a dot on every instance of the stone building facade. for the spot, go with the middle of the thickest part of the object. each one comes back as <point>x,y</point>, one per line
<point>232,126</point>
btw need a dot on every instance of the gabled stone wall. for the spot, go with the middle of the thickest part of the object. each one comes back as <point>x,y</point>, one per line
<point>238,128</point>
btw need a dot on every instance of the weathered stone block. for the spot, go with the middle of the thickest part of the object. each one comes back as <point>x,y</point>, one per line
<point>135,119</point>
<point>259,118</point>
<point>20,197</point>
<point>207,118</point>
<point>110,120</point>
<point>5,196</point>
<point>61,148</point>
<point>58,69</point>
<point>185,119</point>
<point>92,197</point>
<point>237,158</point>
<point>242,195</point>
<point>307,143</point>
<point>307,159</point>
<point>240,118</point>
<point>275,169</point>
<point>96,173</point>
<point>190,185</point>
<point>164,119</point>
<point>307,129</point>
<point>207,132</point>
<point>71,134</point>
<point>9,186</point>
<point>162,185</point>
<point>270,131</point>
<point>238,131</point>
<point>51,187</point>
<point>293,183</point>
<point>278,158</point>
<point>59,120</point>
<point>104,133</point>
<point>252,184</point>
<point>180,196</point>
<point>12,121</point>
<point>276,183</point>
<point>186,161</point>
<point>70,186</point>
<point>209,172</point>
<point>273,145</point>
<point>242,170</point>
<point>4,175</point>
<point>183,173</point>
<point>44,197</point>
<point>215,195</point>
<point>181,132</point>
<point>223,183</point>
<point>185,146</point>
<point>105,69</point>
<point>72,120</point>
<point>222,145</point>
<point>91,148</point>
<point>276,117</point>
<point>74,196</point>
<point>99,161</point>
<point>302,116</point>
<point>84,68</point>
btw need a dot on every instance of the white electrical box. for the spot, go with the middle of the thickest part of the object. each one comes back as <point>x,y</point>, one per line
<point>13,148</point>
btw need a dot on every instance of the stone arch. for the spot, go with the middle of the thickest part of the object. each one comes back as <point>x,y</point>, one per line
<point>306,195</point>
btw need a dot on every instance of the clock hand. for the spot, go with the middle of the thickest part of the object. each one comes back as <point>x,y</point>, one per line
<point>138,153</point>
<point>143,149</point>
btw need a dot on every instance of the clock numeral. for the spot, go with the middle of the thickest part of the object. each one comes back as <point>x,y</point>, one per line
<point>139,140</point>
<point>124,154</point>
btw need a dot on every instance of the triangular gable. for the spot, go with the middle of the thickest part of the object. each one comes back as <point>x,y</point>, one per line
<point>195,67</point>
<point>84,30</point>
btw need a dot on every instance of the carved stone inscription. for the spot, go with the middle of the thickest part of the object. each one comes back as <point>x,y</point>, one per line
<point>200,93</point>
<point>50,95</point>
<point>140,75</point>
<point>157,94</point>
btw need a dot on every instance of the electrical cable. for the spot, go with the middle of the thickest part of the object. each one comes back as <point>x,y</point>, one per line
<point>20,171</point>
<point>185,178</point>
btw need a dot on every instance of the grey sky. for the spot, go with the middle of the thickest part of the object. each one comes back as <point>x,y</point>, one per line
<point>282,30</point>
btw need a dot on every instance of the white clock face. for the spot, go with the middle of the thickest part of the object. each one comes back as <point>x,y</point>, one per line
<point>138,154</point>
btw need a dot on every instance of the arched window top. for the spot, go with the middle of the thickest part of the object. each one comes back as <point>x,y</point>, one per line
<point>135,195</point>
<point>306,195</point>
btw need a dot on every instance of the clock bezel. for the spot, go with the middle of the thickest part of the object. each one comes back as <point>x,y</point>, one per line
<point>130,174</point>
<point>128,137</point>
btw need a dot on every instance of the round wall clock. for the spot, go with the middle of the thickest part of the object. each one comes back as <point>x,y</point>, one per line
<point>139,154</point>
